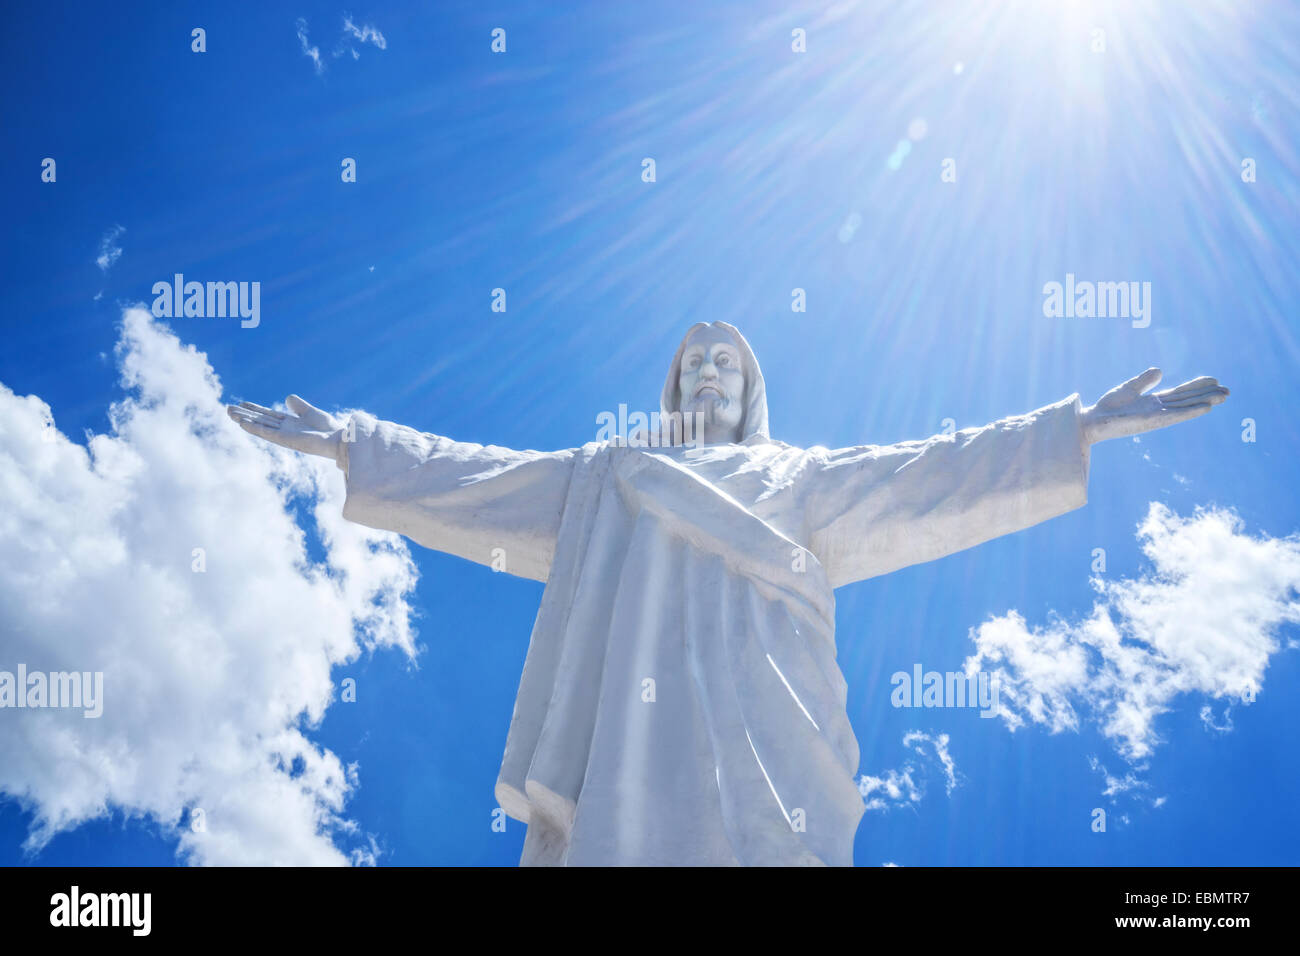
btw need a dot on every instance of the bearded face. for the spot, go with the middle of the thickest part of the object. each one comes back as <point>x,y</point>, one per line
<point>712,384</point>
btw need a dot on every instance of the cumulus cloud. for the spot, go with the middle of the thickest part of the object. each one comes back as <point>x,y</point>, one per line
<point>905,786</point>
<point>1203,621</point>
<point>109,250</point>
<point>216,662</point>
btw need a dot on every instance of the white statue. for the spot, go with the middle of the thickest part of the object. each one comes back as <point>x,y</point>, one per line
<point>681,702</point>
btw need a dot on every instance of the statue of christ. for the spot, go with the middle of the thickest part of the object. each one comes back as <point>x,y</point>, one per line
<point>680,702</point>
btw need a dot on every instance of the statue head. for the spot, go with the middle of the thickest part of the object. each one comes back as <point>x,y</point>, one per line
<point>714,374</point>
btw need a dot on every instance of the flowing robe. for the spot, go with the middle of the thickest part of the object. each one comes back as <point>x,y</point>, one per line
<point>680,702</point>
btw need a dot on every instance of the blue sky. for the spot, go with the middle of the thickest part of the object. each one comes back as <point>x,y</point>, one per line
<point>523,170</point>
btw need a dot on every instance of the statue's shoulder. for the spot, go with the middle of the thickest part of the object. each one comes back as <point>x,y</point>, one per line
<point>775,448</point>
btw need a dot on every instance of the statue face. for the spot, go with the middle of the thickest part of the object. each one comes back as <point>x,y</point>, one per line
<point>712,383</point>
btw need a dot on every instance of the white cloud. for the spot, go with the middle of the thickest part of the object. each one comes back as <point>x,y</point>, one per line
<point>307,50</point>
<point>906,786</point>
<point>366,34</point>
<point>1207,718</point>
<point>210,679</point>
<point>109,250</point>
<point>1205,620</point>
<point>1116,785</point>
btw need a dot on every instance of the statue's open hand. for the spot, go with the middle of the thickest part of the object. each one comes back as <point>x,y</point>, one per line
<point>1125,410</point>
<point>303,428</point>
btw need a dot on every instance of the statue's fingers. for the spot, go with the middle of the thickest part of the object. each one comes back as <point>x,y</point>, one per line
<point>309,413</point>
<point>270,433</point>
<point>254,407</point>
<point>1215,396</point>
<point>243,412</point>
<point>1140,383</point>
<point>1202,394</point>
<point>1183,394</point>
<point>262,409</point>
<point>300,406</point>
<point>1195,385</point>
<point>256,427</point>
<point>1177,415</point>
<point>244,416</point>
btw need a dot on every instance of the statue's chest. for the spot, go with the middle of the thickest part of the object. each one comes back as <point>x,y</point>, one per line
<point>757,480</point>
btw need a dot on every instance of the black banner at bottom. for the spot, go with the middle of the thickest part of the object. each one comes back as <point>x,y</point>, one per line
<point>1222,906</point>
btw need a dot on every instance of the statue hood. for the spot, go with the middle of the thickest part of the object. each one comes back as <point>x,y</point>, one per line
<point>753,425</point>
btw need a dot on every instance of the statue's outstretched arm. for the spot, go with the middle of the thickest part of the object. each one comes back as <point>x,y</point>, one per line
<point>874,509</point>
<point>492,505</point>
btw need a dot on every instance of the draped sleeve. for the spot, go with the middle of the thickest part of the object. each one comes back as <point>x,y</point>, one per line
<point>874,509</point>
<point>465,499</point>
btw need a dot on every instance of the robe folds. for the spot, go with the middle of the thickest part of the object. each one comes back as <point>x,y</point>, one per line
<point>680,702</point>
